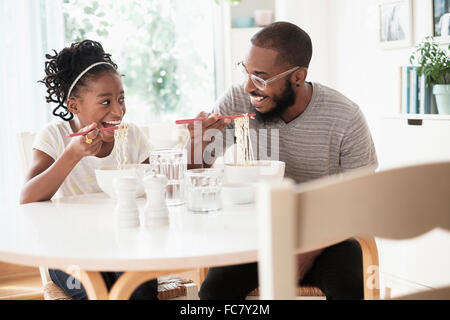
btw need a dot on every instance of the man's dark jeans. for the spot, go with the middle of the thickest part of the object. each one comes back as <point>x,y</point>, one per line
<point>337,271</point>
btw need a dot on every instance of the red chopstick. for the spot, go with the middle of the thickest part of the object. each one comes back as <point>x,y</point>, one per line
<point>83,133</point>
<point>220,117</point>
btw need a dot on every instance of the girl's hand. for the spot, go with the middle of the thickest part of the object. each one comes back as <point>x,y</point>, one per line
<point>88,145</point>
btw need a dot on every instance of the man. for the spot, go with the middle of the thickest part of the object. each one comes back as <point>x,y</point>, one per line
<point>321,132</point>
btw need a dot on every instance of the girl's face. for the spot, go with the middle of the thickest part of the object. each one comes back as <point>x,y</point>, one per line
<point>102,100</point>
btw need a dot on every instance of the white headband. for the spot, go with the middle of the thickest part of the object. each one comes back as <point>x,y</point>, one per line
<point>82,74</point>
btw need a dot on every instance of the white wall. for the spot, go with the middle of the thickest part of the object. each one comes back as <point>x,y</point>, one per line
<point>362,70</point>
<point>247,7</point>
<point>346,54</point>
<point>313,17</point>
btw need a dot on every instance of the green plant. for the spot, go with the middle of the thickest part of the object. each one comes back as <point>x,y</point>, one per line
<point>433,62</point>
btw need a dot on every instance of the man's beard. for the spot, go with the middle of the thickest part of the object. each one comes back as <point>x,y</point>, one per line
<point>282,102</point>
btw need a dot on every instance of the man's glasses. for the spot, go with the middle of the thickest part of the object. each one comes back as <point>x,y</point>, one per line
<point>262,84</point>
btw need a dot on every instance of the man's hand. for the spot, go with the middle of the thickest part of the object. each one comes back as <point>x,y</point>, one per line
<point>197,134</point>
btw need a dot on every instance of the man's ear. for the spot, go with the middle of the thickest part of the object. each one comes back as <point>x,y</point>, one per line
<point>299,76</point>
<point>72,105</point>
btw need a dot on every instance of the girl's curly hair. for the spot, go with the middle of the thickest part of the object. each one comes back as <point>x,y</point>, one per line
<point>62,68</point>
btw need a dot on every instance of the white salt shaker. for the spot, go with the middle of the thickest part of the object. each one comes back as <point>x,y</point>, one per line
<point>126,211</point>
<point>155,210</point>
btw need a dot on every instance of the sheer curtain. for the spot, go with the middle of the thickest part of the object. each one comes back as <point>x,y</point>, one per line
<point>28,30</point>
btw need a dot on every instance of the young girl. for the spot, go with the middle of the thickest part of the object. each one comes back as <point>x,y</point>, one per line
<point>84,82</point>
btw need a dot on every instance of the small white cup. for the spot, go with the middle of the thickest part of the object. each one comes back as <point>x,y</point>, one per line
<point>263,17</point>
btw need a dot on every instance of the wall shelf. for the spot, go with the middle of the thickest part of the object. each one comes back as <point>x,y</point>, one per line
<point>418,116</point>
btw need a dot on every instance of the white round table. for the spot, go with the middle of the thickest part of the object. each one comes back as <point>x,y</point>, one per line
<point>79,233</point>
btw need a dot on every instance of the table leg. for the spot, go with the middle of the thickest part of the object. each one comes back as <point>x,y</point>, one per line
<point>92,282</point>
<point>123,288</point>
<point>203,272</point>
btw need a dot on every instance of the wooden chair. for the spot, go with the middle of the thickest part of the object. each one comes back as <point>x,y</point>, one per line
<point>169,288</point>
<point>370,273</point>
<point>397,204</point>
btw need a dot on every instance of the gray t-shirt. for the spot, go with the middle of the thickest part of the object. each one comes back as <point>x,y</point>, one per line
<point>331,136</point>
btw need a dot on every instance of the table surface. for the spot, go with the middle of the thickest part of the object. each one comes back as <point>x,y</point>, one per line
<point>81,231</point>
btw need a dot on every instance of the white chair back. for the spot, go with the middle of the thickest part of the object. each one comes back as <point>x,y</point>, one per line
<point>398,204</point>
<point>166,135</point>
<point>25,141</point>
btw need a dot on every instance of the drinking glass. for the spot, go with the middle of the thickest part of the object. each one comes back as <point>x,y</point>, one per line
<point>172,163</point>
<point>203,189</point>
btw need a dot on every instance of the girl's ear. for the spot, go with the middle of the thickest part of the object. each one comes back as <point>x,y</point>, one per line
<point>72,106</point>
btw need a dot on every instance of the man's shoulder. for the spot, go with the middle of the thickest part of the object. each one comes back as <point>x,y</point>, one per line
<point>333,103</point>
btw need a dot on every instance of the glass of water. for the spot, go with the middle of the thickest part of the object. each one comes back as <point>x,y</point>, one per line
<point>203,189</point>
<point>172,163</point>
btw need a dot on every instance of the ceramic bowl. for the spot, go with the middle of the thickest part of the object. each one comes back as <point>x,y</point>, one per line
<point>105,178</point>
<point>263,17</point>
<point>243,22</point>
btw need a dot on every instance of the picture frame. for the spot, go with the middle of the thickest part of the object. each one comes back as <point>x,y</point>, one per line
<point>395,24</point>
<point>441,21</point>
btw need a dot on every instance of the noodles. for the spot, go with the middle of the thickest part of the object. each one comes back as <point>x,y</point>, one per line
<point>244,152</point>
<point>120,137</point>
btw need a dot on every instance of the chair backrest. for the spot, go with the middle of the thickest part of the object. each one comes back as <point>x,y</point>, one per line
<point>25,142</point>
<point>399,204</point>
<point>166,135</point>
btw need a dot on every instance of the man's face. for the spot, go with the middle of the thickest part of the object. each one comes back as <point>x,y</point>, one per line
<point>279,94</point>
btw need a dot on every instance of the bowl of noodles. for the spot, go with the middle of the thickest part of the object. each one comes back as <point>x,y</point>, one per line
<point>105,178</point>
<point>245,168</point>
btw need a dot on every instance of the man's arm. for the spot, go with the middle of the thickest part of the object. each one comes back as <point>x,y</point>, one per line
<point>201,135</point>
<point>210,139</point>
<point>357,147</point>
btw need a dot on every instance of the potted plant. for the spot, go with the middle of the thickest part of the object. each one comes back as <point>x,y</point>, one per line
<point>434,65</point>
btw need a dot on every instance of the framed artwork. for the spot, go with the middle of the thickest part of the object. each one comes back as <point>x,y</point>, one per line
<point>395,21</point>
<point>441,21</point>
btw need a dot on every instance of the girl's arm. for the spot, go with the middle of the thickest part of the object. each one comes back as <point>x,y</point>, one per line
<point>46,175</point>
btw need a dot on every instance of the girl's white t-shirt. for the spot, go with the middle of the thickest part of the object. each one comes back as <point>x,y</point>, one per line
<point>52,140</point>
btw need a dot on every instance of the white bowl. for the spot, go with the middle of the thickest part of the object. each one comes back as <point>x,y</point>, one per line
<point>238,193</point>
<point>263,17</point>
<point>105,179</point>
<point>267,170</point>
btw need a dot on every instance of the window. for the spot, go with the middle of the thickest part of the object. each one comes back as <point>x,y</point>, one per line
<point>164,49</point>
